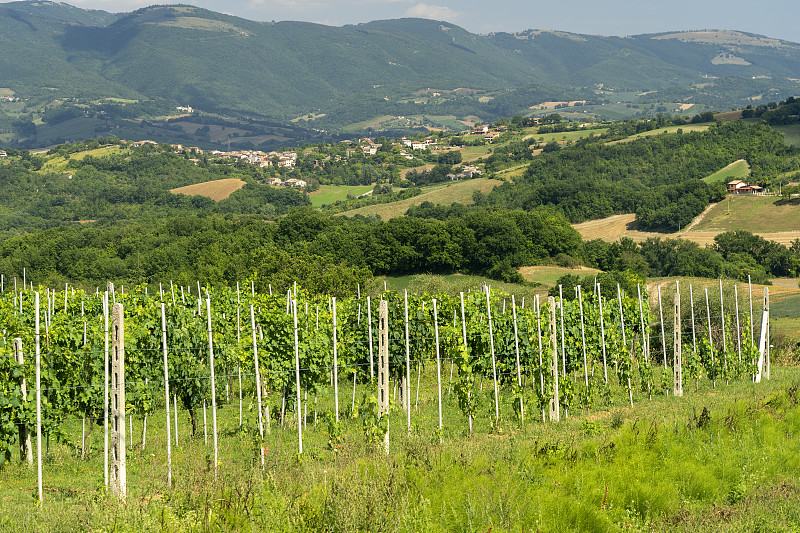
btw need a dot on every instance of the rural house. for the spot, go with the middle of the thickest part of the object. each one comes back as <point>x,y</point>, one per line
<point>741,187</point>
<point>294,182</point>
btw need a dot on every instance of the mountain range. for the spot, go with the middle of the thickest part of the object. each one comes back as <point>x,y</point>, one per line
<point>341,77</point>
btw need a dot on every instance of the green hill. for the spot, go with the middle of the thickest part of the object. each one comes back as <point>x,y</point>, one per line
<point>231,66</point>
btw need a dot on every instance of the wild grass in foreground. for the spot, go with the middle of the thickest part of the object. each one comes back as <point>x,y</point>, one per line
<point>721,459</point>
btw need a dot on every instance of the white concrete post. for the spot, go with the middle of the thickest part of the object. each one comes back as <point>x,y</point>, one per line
<point>383,366</point>
<point>213,388</point>
<point>166,393</point>
<point>677,363</point>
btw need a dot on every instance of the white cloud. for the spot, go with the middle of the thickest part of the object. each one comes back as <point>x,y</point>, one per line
<point>427,11</point>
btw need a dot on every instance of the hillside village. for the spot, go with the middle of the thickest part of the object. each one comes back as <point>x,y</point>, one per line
<point>414,152</point>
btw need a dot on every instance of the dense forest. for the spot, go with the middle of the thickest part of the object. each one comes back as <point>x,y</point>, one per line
<point>305,244</point>
<point>324,251</point>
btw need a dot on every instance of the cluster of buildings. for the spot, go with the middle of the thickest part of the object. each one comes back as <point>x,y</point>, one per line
<point>253,157</point>
<point>259,158</point>
<point>288,159</point>
<point>291,182</point>
<point>3,154</point>
<point>427,144</point>
<point>468,171</point>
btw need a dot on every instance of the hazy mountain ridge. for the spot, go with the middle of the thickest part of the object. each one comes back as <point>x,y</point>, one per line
<point>230,65</point>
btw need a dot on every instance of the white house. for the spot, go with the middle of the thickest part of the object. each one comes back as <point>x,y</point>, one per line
<point>294,182</point>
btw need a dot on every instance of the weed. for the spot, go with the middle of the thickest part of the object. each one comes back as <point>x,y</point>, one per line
<point>617,419</point>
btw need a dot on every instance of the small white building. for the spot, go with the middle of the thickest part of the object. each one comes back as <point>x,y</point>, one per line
<point>294,182</point>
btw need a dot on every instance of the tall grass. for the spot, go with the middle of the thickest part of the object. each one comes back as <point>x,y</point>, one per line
<point>721,459</point>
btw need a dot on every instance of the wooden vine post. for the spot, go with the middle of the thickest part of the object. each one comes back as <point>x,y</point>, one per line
<point>117,467</point>
<point>383,367</point>
<point>677,382</point>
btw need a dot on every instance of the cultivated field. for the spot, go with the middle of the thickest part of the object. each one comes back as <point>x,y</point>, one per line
<point>449,193</point>
<point>687,128</point>
<point>767,216</point>
<point>738,170</point>
<point>626,453</point>
<point>757,214</point>
<point>216,190</point>
<point>565,136</point>
<point>60,163</point>
<point>471,153</point>
<point>328,194</point>
<point>420,168</point>
<point>791,133</point>
<point>548,275</point>
<point>613,228</point>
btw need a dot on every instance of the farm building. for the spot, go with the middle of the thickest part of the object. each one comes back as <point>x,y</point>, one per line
<point>741,187</point>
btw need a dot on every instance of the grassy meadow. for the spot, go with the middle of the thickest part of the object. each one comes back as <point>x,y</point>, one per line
<point>757,214</point>
<point>328,194</point>
<point>791,133</point>
<point>738,170</point>
<point>441,193</point>
<point>717,459</point>
<point>217,190</point>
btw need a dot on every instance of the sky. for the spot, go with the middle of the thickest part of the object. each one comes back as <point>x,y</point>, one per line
<point>772,18</point>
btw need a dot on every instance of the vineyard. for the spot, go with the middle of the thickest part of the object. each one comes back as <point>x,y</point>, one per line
<point>307,365</point>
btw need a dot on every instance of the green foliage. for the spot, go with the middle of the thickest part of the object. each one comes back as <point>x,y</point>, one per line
<point>90,55</point>
<point>658,178</point>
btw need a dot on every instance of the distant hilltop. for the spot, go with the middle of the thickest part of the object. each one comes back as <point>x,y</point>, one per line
<point>348,79</point>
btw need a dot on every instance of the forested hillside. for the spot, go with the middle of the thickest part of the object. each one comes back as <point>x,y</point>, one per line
<point>356,77</point>
<point>319,249</point>
<point>125,186</point>
<point>658,178</point>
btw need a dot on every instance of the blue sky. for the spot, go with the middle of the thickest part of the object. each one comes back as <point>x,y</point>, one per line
<point>773,18</point>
